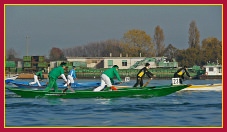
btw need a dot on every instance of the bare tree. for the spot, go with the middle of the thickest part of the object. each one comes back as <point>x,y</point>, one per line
<point>11,54</point>
<point>194,36</point>
<point>159,41</point>
<point>56,54</point>
<point>95,49</point>
<point>170,52</point>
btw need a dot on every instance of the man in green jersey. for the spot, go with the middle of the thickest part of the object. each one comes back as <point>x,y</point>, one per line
<point>53,76</point>
<point>107,78</point>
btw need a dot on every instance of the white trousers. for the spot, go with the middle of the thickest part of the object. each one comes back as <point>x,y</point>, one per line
<point>69,80</point>
<point>105,80</point>
<point>35,81</point>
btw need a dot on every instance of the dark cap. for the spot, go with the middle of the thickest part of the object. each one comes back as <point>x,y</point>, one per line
<point>63,64</point>
<point>147,64</point>
<point>185,67</point>
<point>116,66</point>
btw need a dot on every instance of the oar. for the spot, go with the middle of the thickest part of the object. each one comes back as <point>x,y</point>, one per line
<point>66,87</point>
<point>147,83</point>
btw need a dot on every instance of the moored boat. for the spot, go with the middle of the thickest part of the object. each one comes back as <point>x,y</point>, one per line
<point>155,91</point>
<point>25,84</point>
<point>10,79</point>
<point>212,71</point>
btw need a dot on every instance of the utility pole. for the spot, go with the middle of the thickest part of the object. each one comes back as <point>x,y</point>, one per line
<point>27,37</point>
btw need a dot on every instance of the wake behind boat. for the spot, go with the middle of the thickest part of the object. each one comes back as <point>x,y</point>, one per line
<point>207,87</point>
<point>155,91</point>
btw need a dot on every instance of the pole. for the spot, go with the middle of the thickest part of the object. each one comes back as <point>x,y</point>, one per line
<point>27,37</point>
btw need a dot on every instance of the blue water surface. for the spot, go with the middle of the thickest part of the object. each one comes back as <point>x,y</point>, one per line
<point>180,109</point>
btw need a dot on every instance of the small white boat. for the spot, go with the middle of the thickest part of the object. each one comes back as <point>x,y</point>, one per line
<point>208,87</point>
<point>9,79</point>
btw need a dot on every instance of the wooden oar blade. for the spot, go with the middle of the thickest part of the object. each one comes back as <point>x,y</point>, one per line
<point>146,83</point>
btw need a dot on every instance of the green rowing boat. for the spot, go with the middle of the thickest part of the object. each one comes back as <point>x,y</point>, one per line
<point>155,91</point>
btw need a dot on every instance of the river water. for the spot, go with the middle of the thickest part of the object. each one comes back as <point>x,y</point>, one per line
<point>180,109</point>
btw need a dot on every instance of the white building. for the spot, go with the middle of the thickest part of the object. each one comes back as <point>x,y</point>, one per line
<point>213,69</point>
<point>107,62</point>
<point>128,62</point>
<point>122,62</point>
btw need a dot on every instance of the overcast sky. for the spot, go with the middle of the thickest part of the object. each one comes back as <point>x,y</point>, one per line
<point>69,26</point>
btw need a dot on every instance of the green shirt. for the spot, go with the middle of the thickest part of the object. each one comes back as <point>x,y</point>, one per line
<point>56,72</point>
<point>39,74</point>
<point>111,73</point>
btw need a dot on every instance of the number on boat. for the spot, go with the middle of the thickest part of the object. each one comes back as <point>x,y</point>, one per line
<point>175,81</point>
<point>127,79</point>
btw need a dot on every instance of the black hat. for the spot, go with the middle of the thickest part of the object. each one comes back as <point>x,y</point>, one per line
<point>63,64</point>
<point>116,66</point>
<point>147,64</point>
<point>185,67</point>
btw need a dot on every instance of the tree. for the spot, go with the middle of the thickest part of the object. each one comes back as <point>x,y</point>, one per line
<point>170,52</point>
<point>56,54</point>
<point>212,50</point>
<point>194,36</point>
<point>159,41</point>
<point>11,53</point>
<point>96,49</point>
<point>136,42</point>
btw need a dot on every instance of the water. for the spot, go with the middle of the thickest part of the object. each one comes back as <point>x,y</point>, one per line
<point>180,109</point>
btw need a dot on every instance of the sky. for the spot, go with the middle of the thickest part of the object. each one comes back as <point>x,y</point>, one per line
<point>34,29</point>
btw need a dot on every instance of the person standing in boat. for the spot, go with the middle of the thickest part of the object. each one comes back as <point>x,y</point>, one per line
<point>107,78</point>
<point>141,74</point>
<point>180,73</point>
<point>70,79</point>
<point>37,76</point>
<point>53,76</point>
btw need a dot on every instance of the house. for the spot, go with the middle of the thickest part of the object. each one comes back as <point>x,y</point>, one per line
<point>122,62</point>
<point>213,69</point>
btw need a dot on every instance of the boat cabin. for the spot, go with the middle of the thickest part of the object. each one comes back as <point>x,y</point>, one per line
<point>212,69</point>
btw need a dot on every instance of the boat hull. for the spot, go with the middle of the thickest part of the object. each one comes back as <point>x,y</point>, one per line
<point>107,93</point>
